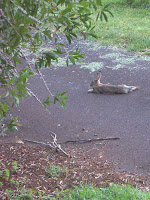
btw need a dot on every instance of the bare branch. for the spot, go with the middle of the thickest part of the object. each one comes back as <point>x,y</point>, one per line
<point>41,75</point>
<point>30,92</point>
<point>37,142</point>
<point>27,60</point>
<point>54,143</point>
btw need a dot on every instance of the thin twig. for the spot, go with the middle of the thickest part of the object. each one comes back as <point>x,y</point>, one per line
<point>27,60</point>
<point>32,94</point>
<point>41,75</point>
<point>90,140</point>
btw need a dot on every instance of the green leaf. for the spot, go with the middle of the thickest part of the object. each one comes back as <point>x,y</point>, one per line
<point>46,102</point>
<point>105,16</point>
<point>68,38</point>
<point>65,97</point>
<point>7,94</point>
<point>107,5</point>
<point>67,62</point>
<point>55,99</point>
<point>61,44</point>
<point>14,123</point>
<point>71,58</point>
<point>22,25</point>
<point>51,55</point>
<point>4,107</point>
<point>17,60</point>
<point>58,51</point>
<point>63,103</point>
<point>99,2</point>
<point>11,81</point>
<point>64,92</point>
<point>15,40</point>
<point>61,2</point>
<point>67,10</point>
<point>97,16</point>
<point>93,35</point>
<point>109,12</point>
<point>16,101</point>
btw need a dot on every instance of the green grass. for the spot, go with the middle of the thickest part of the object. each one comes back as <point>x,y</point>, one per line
<point>85,192</point>
<point>56,171</point>
<point>113,192</point>
<point>128,28</point>
<point>132,3</point>
<point>23,194</point>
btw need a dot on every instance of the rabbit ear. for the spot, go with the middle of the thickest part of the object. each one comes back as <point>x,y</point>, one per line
<point>99,75</point>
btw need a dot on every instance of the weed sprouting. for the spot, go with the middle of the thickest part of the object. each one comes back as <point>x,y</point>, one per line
<point>56,171</point>
<point>6,174</point>
<point>14,166</point>
<point>1,184</point>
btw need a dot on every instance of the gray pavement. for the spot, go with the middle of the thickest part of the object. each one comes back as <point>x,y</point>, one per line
<point>96,115</point>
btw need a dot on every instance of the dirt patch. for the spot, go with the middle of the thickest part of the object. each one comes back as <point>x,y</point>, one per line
<point>82,166</point>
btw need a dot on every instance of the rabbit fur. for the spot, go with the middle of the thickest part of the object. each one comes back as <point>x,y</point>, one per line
<point>98,87</point>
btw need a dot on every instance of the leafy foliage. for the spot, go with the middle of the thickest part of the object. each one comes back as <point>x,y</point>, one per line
<point>27,25</point>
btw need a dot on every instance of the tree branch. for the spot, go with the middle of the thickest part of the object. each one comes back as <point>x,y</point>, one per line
<point>54,145</point>
<point>2,14</point>
<point>41,75</point>
<point>32,94</point>
<point>25,13</point>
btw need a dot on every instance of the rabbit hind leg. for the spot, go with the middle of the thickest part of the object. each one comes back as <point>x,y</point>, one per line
<point>130,88</point>
<point>134,88</point>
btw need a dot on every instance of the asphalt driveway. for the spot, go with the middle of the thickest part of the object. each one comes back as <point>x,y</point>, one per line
<point>90,115</point>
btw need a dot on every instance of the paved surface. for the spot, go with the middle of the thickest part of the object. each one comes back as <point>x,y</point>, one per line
<point>94,115</point>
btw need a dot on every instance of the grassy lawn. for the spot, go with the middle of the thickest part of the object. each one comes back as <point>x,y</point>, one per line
<point>129,28</point>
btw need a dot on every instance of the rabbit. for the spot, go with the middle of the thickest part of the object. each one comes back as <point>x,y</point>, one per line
<point>101,88</point>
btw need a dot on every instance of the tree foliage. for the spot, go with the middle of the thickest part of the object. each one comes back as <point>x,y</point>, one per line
<point>27,25</point>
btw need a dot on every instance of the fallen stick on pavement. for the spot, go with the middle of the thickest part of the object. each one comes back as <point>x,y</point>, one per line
<point>90,140</point>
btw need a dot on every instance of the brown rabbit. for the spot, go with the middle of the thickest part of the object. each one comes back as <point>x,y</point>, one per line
<point>101,88</point>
